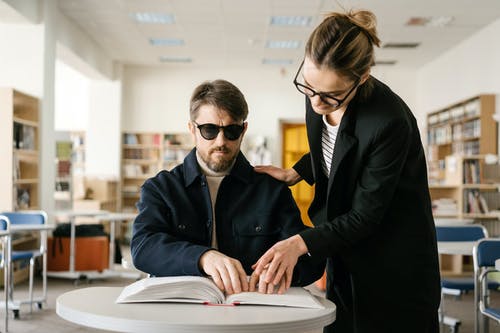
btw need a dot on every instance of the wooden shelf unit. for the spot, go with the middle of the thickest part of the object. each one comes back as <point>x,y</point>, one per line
<point>144,154</point>
<point>19,148</point>
<point>465,128</point>
<point>461,184</point>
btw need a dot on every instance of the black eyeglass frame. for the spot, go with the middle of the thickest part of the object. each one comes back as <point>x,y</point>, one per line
<point>322,95</point>
<point>225,130</point>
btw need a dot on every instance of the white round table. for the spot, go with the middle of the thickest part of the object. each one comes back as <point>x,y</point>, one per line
<point>95,307</point>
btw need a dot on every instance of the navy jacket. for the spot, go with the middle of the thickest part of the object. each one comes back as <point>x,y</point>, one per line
<point>253,211</point>
<point>373,216</point>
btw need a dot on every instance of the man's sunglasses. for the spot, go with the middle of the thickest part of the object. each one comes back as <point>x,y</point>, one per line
<point>210,131</point>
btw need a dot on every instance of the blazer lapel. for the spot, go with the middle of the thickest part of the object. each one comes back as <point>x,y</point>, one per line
<point>314,124</point>
<point>344,143</point>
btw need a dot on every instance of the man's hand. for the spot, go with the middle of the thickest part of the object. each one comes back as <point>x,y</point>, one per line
<point>288,176</point>
<point>279,261</point>
<point>226,272</point>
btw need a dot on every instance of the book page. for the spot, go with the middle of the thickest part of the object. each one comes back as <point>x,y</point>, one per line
<point>294,297</point>
<point>192,289</point>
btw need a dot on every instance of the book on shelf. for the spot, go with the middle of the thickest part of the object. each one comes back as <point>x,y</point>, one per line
<point>131,139</point>
<point>196,289</point>
<point>476,202</point>
<point>444,206</point>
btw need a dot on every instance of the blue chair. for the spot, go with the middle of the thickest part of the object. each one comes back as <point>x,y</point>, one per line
<point>4,243</point>
<point>484,255</point>
<point>28,218</point>
<point>459,286</point>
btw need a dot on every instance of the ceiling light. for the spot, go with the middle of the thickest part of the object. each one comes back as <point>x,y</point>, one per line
<point>385,62</point>
<point>301,21</point>
<point>431,21</point>
<point>155,18</point>
<point>400,45</point>
<point>440,21</point>
<point>267,61</point>
<point>166,41</point>
<point>283,44</point>
<point>175,59</point>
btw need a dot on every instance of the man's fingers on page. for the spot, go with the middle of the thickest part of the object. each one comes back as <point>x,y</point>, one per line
<point>252,283</point>
<point>282,287</point>
<point>218,282</point>
<point>270,288</point>
<point>226,280</point>
<point>262,285</point>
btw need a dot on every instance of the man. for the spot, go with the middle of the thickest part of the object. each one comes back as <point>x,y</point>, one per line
<point>213,215</point>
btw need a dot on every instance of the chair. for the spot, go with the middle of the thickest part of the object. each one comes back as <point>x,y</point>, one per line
<point>484,255</point>
<point>25,219</point>
<point>4,242</point>
<point>458,286</point>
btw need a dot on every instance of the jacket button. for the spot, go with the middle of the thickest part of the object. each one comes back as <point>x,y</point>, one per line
<point>182,226</point>
<point>258,228</point>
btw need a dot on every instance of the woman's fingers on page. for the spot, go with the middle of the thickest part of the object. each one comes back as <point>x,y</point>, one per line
<point>272,270</point>
<point>288,276</point>
<point>280,274</point>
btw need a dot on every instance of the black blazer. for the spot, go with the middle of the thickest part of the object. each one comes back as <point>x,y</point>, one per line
<point>373,213</point>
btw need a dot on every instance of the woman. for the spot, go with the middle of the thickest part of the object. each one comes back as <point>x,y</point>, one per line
<point>371,208</point>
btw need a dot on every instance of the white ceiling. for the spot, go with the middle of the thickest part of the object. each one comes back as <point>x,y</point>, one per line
<point>234,32</point>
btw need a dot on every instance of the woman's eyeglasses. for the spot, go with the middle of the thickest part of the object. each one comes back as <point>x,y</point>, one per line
<point>210,131</point>
<point>325,97</point>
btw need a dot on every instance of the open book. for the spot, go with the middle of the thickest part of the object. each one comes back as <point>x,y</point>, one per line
<point>196,289</point>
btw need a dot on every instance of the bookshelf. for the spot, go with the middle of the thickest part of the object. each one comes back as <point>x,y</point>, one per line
<point>460,137</point>
<point>463,184</point>
<point>294,146</point>
<point>63,187</point>
<point>144,155</point>
<point>19,132</point>
<point>465,128</point>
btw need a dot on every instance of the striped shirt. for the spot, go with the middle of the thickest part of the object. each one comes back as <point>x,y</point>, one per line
<point>328,138</point>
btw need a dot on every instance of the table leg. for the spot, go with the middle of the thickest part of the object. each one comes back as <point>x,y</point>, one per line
<point>111,244</point>
<point>72,246</point>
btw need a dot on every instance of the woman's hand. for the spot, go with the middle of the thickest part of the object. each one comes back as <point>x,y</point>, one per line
<point>288,176</point>
<point>257,283</point>
<point>280,260</point>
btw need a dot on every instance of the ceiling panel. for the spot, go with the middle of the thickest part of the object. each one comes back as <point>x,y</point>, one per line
<point>234,32</point>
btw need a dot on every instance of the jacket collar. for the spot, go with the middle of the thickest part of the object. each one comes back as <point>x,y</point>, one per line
<point>241,170</point>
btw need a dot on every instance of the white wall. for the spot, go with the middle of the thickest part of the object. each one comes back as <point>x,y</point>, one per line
<point>21,57</point>
<point>467,70</point>
<point>72,99</point>
<point>157,98</point>
<point>103,131</point>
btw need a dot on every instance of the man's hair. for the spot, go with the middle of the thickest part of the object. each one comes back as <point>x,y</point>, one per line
<point>221,94</point>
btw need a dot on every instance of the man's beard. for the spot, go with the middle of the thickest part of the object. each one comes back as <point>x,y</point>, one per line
<point>219,165</point>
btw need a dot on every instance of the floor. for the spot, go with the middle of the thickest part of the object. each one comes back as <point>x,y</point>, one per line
<point>46,319</point>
